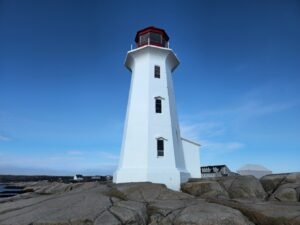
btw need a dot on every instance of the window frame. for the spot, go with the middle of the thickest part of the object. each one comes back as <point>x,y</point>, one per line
<point>160,147</point>
<point>158,105</point>
<point>144,39</point>
<point>157,71</point>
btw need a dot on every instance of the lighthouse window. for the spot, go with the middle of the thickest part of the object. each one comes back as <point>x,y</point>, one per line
<point>156,71</point>
<point>160,147</point>
<point>155,38</point>
<point>158,105</point>
<point>144,39</point>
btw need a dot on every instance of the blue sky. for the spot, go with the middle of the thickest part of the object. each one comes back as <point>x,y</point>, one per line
<point>64,87</point>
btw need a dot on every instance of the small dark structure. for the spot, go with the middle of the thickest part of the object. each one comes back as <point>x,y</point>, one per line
<point>216,171</point>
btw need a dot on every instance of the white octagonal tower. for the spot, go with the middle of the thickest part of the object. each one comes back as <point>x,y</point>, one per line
<point>152,148</point>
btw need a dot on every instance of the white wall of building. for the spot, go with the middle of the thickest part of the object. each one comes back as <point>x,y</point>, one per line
<point>191,157</point>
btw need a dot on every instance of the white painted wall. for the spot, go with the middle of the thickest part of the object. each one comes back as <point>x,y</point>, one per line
<point>191,157</point>
<point>139,160</point>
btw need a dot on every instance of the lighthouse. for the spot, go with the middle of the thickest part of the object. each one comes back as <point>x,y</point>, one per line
<point>152,147</point>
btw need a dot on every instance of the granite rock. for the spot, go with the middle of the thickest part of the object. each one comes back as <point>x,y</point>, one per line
<point>94,203</point>
<point>205,189</point>
<point>282,187</point>
<point>265,212</point>
<point>271,182</point>
<point>243,187</point>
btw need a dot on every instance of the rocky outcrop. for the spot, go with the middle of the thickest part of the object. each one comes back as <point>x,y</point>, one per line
<point>286,192</point>
<point>243,187</point>
<point>271,182</point>
<point>232,187</point>
<point>145,192</point>
<point>45,187</point>
<point>94,203</point>
<point>207,214</point>
<point>205,189</point>
<point>264,212</point>
<point>282,187</point>
<point>221,201</point>
<point>271,201</point>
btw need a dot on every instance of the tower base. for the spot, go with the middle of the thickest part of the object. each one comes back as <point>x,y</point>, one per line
<point>172,178</point>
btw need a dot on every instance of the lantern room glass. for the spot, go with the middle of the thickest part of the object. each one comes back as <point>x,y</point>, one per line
<point>152,38</point>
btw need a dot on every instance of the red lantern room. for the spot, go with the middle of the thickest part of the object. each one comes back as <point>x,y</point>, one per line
<point>152,36</point>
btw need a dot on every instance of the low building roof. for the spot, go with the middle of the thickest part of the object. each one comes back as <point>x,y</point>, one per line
<point>253,167</point>
<point>213,166</point>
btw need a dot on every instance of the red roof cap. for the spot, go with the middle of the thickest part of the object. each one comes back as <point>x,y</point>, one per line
<point>151,29</point>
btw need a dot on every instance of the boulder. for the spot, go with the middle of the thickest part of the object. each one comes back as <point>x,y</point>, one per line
<point>145,203</point>
<point>145,192</point>
<point>107,218</point>
<point>242,187</point>
<point>271,182</point>
<point>194,211</point>
<point>286,192</point>
<point>282,187</point>
<point>130,212</point>
<point>210,214</point>
<point>265,213</point>
<point>165,207</point>
<point>126,216</point>
<point>205,189</point>
<point>293,178</point>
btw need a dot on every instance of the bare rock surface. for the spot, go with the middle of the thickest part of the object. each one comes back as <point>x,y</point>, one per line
<point>205,189</point>
<point>69,207</point>
<point>209,214</point>
<point>286,192</point>
<point>266,213</point>
<point>145,192</point>
<point>293,178</point>
<point>271,182</point>
<point>93,203</point>
<point>232,187</point>
<point>194,211</point>
<point>107,218</point>
<point>243,187</point>
<point>282,187</point>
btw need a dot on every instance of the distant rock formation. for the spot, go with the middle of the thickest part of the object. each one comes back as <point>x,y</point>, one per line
<point>241,200</point>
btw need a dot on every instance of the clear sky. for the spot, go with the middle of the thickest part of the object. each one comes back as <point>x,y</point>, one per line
<point>64,87</point>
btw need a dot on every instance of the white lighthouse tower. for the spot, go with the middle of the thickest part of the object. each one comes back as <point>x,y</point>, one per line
<point>152,148</point>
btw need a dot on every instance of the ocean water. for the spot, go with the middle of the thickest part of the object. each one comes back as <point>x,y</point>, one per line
<point>12,191</point>
<point>1,187</point>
